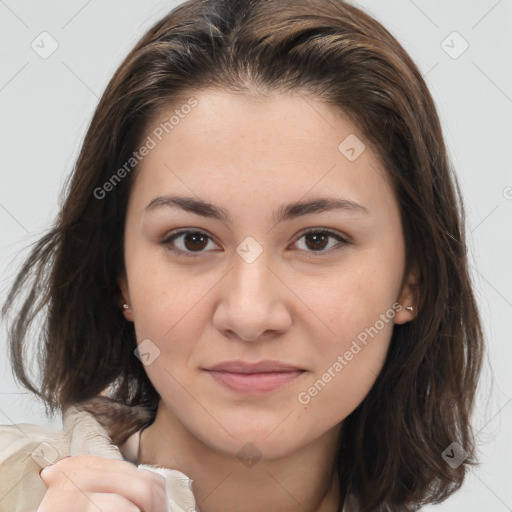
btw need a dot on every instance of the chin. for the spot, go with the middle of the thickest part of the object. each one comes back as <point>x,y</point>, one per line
<point>249,448</point>
<point>266,441</point>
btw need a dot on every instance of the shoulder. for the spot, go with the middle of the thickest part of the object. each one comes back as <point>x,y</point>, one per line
<point>26,448</point>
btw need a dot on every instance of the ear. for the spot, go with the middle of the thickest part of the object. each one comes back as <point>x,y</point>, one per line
<point>409,297</point>
<point>122,282</point>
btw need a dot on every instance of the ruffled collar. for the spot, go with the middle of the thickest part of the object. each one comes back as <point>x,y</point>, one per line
<point>86,434</point>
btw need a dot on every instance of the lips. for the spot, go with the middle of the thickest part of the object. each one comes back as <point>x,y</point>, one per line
<point>266,366</point>
<point>254,378</point>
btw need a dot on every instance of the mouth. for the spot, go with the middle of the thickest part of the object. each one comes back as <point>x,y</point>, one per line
<point>254,378</point>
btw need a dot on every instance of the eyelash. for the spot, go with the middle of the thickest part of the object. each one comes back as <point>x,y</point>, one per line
<point>318,231</point>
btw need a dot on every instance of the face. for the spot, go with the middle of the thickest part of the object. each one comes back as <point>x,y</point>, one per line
<point>248,279</point>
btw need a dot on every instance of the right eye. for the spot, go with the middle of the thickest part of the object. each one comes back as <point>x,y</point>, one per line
<point>187,242</point>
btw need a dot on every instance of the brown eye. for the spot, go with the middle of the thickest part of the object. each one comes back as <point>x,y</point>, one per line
<point>187,242</point>
<point>195,241</point>
<point>317,240</point>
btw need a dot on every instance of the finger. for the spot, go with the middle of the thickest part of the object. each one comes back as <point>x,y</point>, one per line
<point>75,501</point>
<point>145,489</point>
<point>113,503</point>
<point>71,465</point>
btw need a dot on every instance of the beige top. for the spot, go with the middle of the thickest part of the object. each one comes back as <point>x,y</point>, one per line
<point>26,448</point>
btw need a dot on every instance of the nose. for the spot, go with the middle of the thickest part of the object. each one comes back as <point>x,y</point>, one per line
<point>253,301</point>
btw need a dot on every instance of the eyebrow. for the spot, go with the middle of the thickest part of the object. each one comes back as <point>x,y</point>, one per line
<point>285,212</point>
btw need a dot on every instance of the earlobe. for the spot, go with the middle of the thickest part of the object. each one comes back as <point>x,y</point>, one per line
<point>409,298</point>
<point>125,304</point>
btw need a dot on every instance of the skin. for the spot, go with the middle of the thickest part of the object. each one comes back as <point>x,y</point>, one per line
<point>298,302</point>
<point>87,482</point>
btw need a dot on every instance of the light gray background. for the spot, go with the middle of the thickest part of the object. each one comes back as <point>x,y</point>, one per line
<point>46,105</point>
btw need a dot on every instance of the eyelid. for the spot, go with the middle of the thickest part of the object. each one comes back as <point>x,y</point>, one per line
<point>342,240</point>
<point>168,238</point>
<point>332,232</point>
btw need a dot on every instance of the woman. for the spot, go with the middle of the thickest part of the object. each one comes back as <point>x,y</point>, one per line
<point>261,263</point>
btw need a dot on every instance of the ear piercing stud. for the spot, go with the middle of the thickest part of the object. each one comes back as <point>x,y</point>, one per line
<point>409,308</point>
<point>125,306</point>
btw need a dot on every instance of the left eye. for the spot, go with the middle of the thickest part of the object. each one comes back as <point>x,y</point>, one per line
<point>317,239</point>
<point>190,242</point>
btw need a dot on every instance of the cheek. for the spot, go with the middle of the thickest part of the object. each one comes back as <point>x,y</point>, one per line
<point>346,371</point>
<point>358,305</point>
<point>354,295</point>
<point>166,310</point>
<point>163,296</point>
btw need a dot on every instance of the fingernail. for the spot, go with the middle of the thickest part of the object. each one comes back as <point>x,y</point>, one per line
<point>42,470</point>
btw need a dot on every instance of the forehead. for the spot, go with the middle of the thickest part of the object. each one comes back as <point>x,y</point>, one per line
<point>260,148</point>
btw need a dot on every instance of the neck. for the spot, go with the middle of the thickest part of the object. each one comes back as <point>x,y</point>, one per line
<point>300,481</point>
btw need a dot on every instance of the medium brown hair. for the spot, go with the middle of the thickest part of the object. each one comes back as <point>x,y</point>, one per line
<point>389,454</point>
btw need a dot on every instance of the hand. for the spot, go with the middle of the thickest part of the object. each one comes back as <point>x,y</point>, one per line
<point>88,483</point>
